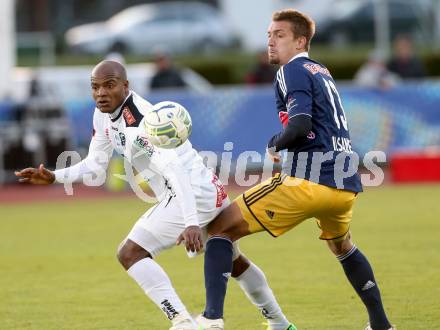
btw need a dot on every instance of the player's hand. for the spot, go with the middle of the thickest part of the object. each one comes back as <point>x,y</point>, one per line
<point>192,236</point>
<point>273,155</point>
<point>40,175</point>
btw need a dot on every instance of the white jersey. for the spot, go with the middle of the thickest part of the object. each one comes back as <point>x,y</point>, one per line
<point>171,173</point>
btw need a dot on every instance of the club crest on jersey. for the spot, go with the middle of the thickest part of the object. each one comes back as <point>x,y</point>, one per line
<point>143,143</point>
<point>311,135</point>
<point>128,116</point>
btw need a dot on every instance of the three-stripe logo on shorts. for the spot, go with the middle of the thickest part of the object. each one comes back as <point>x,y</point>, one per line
<point>264,190</point>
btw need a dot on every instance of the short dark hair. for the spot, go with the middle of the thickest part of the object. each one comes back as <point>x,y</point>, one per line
<point>302,25</point>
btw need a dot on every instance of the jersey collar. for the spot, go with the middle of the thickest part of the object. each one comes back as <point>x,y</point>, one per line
<point>303,54</point>
<point>117,113</point>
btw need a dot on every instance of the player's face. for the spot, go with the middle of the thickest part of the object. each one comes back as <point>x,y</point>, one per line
<point>281,45</point>
<point>109,91</point>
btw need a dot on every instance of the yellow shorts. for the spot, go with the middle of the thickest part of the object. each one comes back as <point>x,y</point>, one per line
<point>282,202</point>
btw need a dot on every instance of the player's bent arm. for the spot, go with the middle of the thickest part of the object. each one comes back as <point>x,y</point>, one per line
<point>181,183</point>
<point>297,128</point>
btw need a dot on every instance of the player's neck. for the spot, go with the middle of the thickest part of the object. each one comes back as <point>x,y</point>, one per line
<point>301,53</point>
<point>115,114</point>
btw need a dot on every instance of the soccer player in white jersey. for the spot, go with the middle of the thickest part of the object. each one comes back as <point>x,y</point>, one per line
<point>189,195</point>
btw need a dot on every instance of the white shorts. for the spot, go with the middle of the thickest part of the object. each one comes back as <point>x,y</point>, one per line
<point>159,228</point>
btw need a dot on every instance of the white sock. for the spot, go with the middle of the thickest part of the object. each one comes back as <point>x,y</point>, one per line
<point>157,286</point>
<point>254,284</point>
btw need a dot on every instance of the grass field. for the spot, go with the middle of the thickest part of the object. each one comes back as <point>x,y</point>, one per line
<point>58,268</point>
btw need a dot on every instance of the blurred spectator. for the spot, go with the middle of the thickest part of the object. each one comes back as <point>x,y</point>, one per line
<point>404,62</point>
<point>167,75</point>
<point>262,72</point>
<point>34,87</point>
<point>374,73</point>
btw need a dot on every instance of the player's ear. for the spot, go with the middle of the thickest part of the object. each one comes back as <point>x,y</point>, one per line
<point>126,85</point>
<point>301,42</point>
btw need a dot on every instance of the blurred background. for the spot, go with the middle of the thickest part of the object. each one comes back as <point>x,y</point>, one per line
<point>210,56</point>
<point>58,269</point>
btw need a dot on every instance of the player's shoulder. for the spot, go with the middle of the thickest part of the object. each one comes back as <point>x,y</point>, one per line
<point>134,110</point>
<point>99,119</point>
<point>314,67</point>
<point>142,104</point>
<point>294,74</point>
<point>298,66</point>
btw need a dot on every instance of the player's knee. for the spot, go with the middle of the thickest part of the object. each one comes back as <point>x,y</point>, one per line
<point>129,253</point>
<point>340,247</point>
<point>229,223</point>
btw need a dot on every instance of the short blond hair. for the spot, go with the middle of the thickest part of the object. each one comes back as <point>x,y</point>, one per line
<point>302,25</point>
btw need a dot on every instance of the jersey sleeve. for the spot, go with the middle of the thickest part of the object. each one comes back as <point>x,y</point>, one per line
<point>98,157</point>
<point>295,86</point>
<point>166,162</point>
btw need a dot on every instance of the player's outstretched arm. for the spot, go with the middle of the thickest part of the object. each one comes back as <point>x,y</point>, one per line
<point>40,175</point>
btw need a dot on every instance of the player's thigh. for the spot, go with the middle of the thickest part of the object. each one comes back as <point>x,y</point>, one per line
<point>335,213</point>
<point>159,228</point>
<point>276,205</point>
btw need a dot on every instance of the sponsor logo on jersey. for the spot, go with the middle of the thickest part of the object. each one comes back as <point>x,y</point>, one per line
<point>316,68</point>
<point>221,193</point>
<point>169,309</point>
<point>122,138</point>
<point>129,118</point>
<point>114,128</point>
<point>170,191</point>
<point>143,143</point>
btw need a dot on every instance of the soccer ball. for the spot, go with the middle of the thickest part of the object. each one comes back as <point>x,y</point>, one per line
<point>168,125</point>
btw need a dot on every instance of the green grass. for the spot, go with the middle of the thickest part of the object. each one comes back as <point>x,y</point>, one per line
<point>58,268</point>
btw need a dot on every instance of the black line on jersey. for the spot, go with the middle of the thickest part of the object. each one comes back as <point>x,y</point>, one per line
<point>169,200</point>
<point>256,219</point>
<point>134,111</point>
<point>254,197</point>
